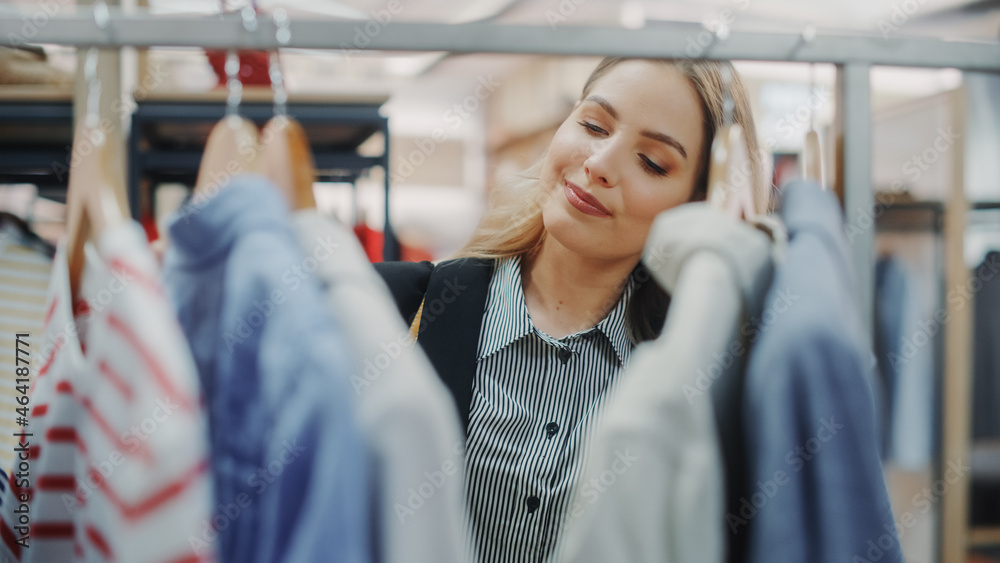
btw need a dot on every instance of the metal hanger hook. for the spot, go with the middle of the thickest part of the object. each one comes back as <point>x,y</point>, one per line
<point>92,118</point>
<point>719,34</point>
<point>234,87</point>
<point>249,14</point>
<point>278,86</point>
<point>283,36</point>
<point>102,15</point>
<point>728,105</point>
<point>812,89</point>
<point>807,36</point>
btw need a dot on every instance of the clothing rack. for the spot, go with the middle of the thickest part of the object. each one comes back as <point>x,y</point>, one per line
<point>335,129</point>
<point>854,56</point>
<point>35,130</point>
<point>919,216</point>
<point>662,39</point>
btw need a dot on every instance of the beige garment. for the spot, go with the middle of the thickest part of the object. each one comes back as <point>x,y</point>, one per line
<point>20,66</point>
<point>653,487</point>
<point>24,279</point>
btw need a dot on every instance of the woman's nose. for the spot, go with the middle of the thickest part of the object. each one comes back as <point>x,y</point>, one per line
<point>599,170</point>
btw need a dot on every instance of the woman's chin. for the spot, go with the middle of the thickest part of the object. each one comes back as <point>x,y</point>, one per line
<point>580,239</point>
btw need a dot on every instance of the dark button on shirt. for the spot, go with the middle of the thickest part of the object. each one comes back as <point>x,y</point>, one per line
<point>564,355</point>
<point>533,504</point>
<point>551,429</point>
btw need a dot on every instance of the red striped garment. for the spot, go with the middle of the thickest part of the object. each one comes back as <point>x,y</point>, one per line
<point>121,470</point>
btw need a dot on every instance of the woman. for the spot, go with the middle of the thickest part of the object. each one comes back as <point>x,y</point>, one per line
<point>532,326</point>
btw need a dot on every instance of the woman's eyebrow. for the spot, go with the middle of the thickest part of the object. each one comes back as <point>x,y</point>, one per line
<point>604,104</point>
<point>662,137</point>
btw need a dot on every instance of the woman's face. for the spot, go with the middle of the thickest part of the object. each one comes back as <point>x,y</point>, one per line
<point>628,151</point>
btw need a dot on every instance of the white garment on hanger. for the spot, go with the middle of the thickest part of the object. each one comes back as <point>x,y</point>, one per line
<point>405,411</point>
<point>653,490</point>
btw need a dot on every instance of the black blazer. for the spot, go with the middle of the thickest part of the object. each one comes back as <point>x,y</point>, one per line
<point>456,292</point>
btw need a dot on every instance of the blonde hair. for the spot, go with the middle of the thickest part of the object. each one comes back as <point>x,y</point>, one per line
<point>513,224</point>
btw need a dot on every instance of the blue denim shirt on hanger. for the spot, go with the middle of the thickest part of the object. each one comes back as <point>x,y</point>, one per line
<point>817,489</point>
<point>289,464</point>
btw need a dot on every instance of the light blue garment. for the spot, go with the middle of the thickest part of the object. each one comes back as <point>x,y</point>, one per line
<point>911,402</point>
<point>817,492</point>
<point>289,464</point>
<point>891,300</point>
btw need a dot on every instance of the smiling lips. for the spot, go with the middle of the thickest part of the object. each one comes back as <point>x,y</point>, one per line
<point>583,201</point>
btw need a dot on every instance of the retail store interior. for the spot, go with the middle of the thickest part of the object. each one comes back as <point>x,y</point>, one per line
<point>435,132</point>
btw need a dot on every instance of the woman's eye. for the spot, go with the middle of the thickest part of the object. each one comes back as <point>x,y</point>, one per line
<point>592,128</point>
<point>651,167</point>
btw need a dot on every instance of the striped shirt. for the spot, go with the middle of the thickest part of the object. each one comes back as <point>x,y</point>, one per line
<point>535,399</point>
<point>24,278</point>
<point>118,441</point>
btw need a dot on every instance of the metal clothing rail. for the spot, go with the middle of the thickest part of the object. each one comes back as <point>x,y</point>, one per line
<point>676,39</point>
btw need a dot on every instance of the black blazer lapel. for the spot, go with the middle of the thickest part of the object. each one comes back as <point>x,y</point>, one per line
<point>454,307</point>
<point>407,281</point>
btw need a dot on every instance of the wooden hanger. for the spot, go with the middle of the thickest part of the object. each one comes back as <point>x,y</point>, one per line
<point>232,149</point>
<point>812,151</point>
<point>288,161</point>
<point>91,203</point>
<point>233,146</point>
<point>730,186</point>
<point>812,158</point>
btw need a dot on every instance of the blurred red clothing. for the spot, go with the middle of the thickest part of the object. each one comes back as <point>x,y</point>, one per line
<point>254,67</point>
<point>372,241</point>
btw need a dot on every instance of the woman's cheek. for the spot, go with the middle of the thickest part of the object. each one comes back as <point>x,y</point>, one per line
<point>675,193</point>
<point>647,203</point>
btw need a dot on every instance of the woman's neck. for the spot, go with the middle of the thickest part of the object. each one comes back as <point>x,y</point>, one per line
<point>566,292</point>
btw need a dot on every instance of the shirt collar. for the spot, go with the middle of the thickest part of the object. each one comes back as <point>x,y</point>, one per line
<point>615,326</point>
<point>507,319</point>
